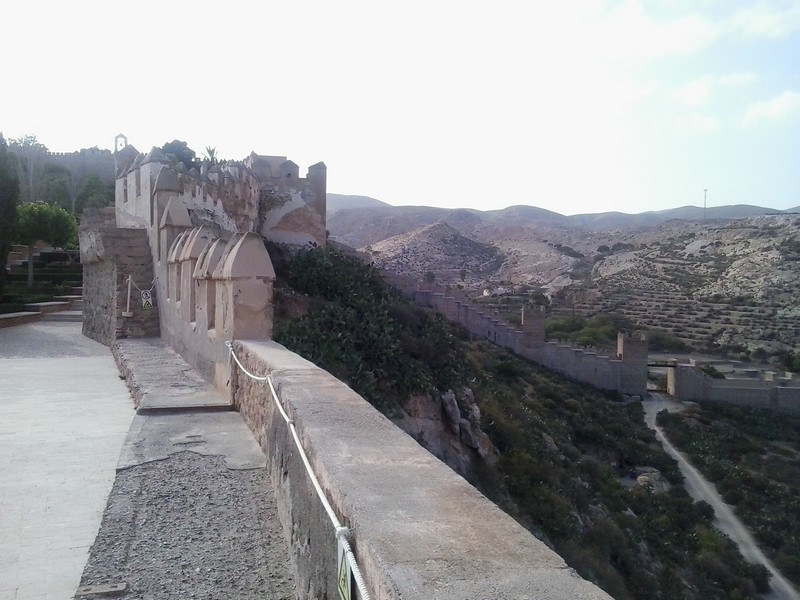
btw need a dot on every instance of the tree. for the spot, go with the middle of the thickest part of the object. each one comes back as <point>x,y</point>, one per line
<point>95,194</point>
<point>9,197</point>
<point>180,152</point>
<point>31,155</point>
<point>55,186</point>
<point>39,221</point>
<point>212,158</point>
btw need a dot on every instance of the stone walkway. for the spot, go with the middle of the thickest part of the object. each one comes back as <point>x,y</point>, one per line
<point>64,414</point>
<point>191,512</point>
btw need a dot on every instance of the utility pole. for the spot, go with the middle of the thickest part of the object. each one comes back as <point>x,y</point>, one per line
<point>705,192</point>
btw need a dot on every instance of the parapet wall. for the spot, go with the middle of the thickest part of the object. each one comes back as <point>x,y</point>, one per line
<point>420,530</point>
<point>212,290</point>
<point>213,276</point>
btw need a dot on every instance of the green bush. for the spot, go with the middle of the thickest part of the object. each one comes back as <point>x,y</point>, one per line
<point>746,452</point>
<point>563,447</point>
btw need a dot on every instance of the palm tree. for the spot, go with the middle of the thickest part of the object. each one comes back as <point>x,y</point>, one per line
<point>211,156</point>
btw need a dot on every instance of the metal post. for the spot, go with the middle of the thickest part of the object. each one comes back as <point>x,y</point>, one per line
<point>128,312</point>
<point>705,192</point>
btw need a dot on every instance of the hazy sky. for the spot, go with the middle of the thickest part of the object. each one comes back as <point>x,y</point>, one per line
<point>579,106</point>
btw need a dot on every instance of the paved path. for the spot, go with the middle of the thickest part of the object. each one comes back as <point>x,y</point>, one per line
<point>149,364</point>
<point>191,512</point>
<point>64,414</point>
<point>701,489</point>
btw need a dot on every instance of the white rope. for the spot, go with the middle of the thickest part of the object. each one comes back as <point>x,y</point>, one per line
<point>341,532</point>
<point>153,284</point>
<point>229,345</point>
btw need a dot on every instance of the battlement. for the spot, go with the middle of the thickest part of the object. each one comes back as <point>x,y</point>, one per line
<point>82,151</point>
<point>262,194</point>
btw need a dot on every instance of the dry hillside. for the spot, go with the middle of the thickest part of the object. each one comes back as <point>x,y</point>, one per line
<point>720,284</point>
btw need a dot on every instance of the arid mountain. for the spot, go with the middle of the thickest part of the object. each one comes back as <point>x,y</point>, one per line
<point>440,249</point>
<point>730,280</point>
<point>337,202</point>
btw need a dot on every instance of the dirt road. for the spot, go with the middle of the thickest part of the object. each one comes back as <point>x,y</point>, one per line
<point>701,489</point>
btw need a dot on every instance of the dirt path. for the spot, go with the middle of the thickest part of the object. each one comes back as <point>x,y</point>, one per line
<point>701,489</point>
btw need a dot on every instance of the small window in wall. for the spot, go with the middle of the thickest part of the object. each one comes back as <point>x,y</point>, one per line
<point>125,190</point>
<point>211,303</point>
<point>177,282</point>
<point>192,298</point>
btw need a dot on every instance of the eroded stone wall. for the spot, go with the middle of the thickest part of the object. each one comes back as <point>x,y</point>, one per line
<point>99,301</point>
<point>262,194</point>
<point>109,256</point>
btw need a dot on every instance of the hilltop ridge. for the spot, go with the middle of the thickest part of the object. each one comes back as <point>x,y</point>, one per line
<point>727,282</point>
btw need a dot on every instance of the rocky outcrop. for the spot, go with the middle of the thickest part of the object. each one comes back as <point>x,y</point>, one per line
<point>448,426</point>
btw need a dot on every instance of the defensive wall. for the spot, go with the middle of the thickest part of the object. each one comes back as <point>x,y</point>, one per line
<point>419,530</point>
<point>626,372</point>
<point>204,232</point>
<point>89,161</point>
<point>689,383</point>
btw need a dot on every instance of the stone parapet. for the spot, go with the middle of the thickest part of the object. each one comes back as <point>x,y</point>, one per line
<point>419,529</point>
<point>215,290</point>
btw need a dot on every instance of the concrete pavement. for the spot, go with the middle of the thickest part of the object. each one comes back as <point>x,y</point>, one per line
<point>171,503</point>
<point>64,415</point>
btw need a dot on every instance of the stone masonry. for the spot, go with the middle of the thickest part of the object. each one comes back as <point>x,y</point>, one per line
<point>109,256</point>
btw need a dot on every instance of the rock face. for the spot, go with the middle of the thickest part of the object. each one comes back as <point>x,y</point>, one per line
<point>448,426</point>
<point>652,478</point>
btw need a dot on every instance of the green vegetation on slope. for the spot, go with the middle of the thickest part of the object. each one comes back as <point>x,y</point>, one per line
<point>599,330</point>
<point>753,457</point>
<point>565,448</point>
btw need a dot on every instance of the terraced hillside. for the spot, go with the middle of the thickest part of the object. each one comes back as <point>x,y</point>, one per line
<point>731,287</point>
<point>724,285</point>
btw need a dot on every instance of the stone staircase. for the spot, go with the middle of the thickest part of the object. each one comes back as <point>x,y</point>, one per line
<point>67,308</point>
<point>60,308</point>
<point>72,312</point>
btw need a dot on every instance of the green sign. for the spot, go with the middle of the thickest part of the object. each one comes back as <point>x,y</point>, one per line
<point>344,573</point>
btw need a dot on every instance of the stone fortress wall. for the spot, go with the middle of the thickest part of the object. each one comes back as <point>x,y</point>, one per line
<point>110,255</point>
<point>213,284</point>
<point>689,383</point>
<point>626,372</point>
<point>89,161</point>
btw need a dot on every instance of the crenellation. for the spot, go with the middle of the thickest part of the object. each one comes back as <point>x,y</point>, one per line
<point>626,372</point>
<point>202,233</point>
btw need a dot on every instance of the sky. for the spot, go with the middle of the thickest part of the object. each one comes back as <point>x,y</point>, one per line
<point>577,107</point>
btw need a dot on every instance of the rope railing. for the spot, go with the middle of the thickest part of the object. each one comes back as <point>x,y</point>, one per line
<point>341,531</point>
<point>145,294</point>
